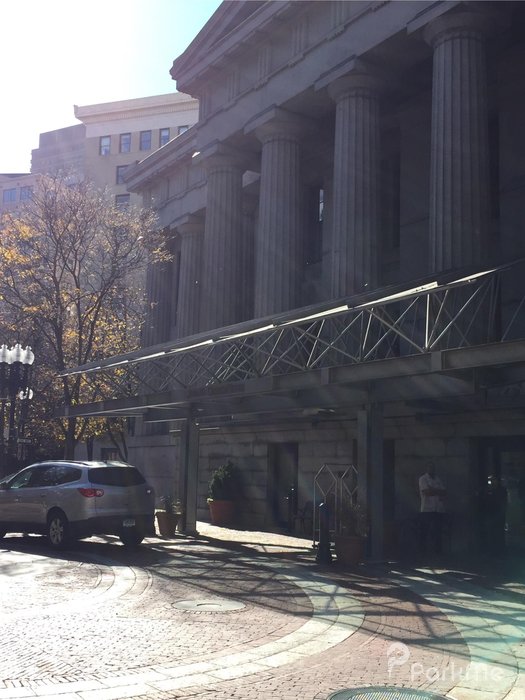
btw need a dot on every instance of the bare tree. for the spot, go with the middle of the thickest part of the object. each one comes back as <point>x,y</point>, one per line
<point>71,285</point>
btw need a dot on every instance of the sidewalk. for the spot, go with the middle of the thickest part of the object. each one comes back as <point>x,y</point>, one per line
<point>238,614</point>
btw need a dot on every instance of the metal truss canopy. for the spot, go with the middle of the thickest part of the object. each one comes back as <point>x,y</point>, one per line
<point>481,311</point>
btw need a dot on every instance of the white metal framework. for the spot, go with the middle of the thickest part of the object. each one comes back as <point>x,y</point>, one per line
<point>459,310</point>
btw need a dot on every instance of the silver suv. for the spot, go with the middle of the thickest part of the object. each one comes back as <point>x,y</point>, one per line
<point>70,500</point>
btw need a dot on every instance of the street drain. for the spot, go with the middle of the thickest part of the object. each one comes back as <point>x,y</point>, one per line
<point>209,605</point>
<point>385,693</point>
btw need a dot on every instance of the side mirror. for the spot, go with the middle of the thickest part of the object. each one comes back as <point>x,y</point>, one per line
<point>4,485</point>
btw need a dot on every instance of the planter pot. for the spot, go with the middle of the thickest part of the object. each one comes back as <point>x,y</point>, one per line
<point>167,523</point>
<point>221,512</point>
<point>349,549</point>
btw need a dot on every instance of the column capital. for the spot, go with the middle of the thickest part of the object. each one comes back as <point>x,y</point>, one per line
<point>189,225</point>
<point>218,155</point>
<point>354,83</point>
<point>277,122</point>
<point>352,75</point>
<point>453,24</point>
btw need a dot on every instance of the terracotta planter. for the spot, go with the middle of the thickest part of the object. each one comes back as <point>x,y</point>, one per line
<point>167,523</point>
<point>221,512</point>
<point>349,549</point>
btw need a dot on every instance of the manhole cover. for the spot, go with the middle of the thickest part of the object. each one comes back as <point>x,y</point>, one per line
<point>385,693</point>
<point>209,605</point>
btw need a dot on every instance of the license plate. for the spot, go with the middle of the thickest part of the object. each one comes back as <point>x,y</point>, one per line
<point>129,522</point>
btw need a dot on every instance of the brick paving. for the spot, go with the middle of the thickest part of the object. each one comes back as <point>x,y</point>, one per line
<point>101,622</point>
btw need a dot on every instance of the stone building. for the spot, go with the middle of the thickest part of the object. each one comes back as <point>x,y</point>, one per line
<point>346,225</point>
<point>110,137</point>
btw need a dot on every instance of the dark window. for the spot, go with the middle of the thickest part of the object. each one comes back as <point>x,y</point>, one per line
<point>108,454</point>
<point>105,145</point>
<point>22,479</point>
<point>145,140</point>
<point>125,143</point>
<point>122,201</point>
<point>9,195</point>
<point>391,201</point>
<point>314,236</point>
<point>182,129</point>
<point>25,193</point>
<point>116,476</point>
<point>66,475</point>
<point>121,171</point>
<point>494,170</point>
<point>42,476</point>
<point>164,136</point>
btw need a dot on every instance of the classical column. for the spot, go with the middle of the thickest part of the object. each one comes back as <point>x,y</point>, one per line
<point>459,181</point>
<point>188,301</point>
<point>249,208</point>
<point>355,211</point>
<point>371,476</point>
<point>222,255</point>
<point>278,245</point>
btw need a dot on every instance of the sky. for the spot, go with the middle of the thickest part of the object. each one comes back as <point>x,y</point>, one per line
<point>59,53</point>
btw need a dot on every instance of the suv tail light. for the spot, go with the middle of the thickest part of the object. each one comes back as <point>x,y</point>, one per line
<point>91,493</point>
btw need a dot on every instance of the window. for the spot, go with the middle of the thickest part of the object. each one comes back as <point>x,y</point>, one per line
<point>145,140</point>
<point>182,129</point>
<point>115,476</point>
<point>122,201</point>
<point>25,193</point>
<point>105,145</point>
<point>164,136</point>
<point>125,143</point>
<point>9,195</point>
<point>66,475</point>
<point>121,171</point>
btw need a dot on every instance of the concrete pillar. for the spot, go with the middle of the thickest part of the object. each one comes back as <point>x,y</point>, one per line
<point>459,174</point>
<point>222,255</point>
<point>191,232</point>
<point>355,210</point>
<point>279,243</point>
<point>371,475</point>
<point>189,474</point>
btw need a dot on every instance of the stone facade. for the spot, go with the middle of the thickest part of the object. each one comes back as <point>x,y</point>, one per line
<point>401,122</point>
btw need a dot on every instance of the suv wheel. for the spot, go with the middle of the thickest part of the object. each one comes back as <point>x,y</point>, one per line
<point>57,530</point>
<point>131,538</point>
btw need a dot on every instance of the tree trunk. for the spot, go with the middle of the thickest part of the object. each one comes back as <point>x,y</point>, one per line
<point>70,443</point>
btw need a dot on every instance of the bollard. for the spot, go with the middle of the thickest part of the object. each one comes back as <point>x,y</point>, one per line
<point>324,555</point>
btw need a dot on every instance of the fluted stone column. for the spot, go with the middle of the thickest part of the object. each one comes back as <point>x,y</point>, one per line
<point>188,307</point>
<point>249,209</point>
<point>279,238</point>
<point>459,175</point>
<point>222,255</point>
<point>355,212</point>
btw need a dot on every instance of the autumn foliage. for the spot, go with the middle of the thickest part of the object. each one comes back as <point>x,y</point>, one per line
<point>72,269</point>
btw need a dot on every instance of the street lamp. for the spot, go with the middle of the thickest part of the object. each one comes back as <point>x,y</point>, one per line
<point>15,377</point>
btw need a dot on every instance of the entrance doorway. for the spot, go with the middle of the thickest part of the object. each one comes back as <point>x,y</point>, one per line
<point>501,494</point>
<point>282,484</point>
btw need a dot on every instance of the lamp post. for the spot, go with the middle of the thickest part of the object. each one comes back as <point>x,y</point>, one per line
<point>15,377</point>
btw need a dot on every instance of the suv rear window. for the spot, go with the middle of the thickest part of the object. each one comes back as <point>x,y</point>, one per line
<point>116,476</point>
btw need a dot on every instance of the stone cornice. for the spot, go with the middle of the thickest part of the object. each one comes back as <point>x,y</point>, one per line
<point>200,56</point>
<point>142,106</point>
<point>176,151</point>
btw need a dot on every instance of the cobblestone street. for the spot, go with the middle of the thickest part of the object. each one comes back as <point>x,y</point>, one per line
<point>246,616</point>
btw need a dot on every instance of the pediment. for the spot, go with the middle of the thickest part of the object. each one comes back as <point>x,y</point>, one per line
<point>229,15</point>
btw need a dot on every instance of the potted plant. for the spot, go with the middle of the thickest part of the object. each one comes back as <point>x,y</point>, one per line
<point>223,490</point>
<point>351,531</point>
<point>168,515</point>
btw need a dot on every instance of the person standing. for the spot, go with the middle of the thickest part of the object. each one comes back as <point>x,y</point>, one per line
<point>432,494</point>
